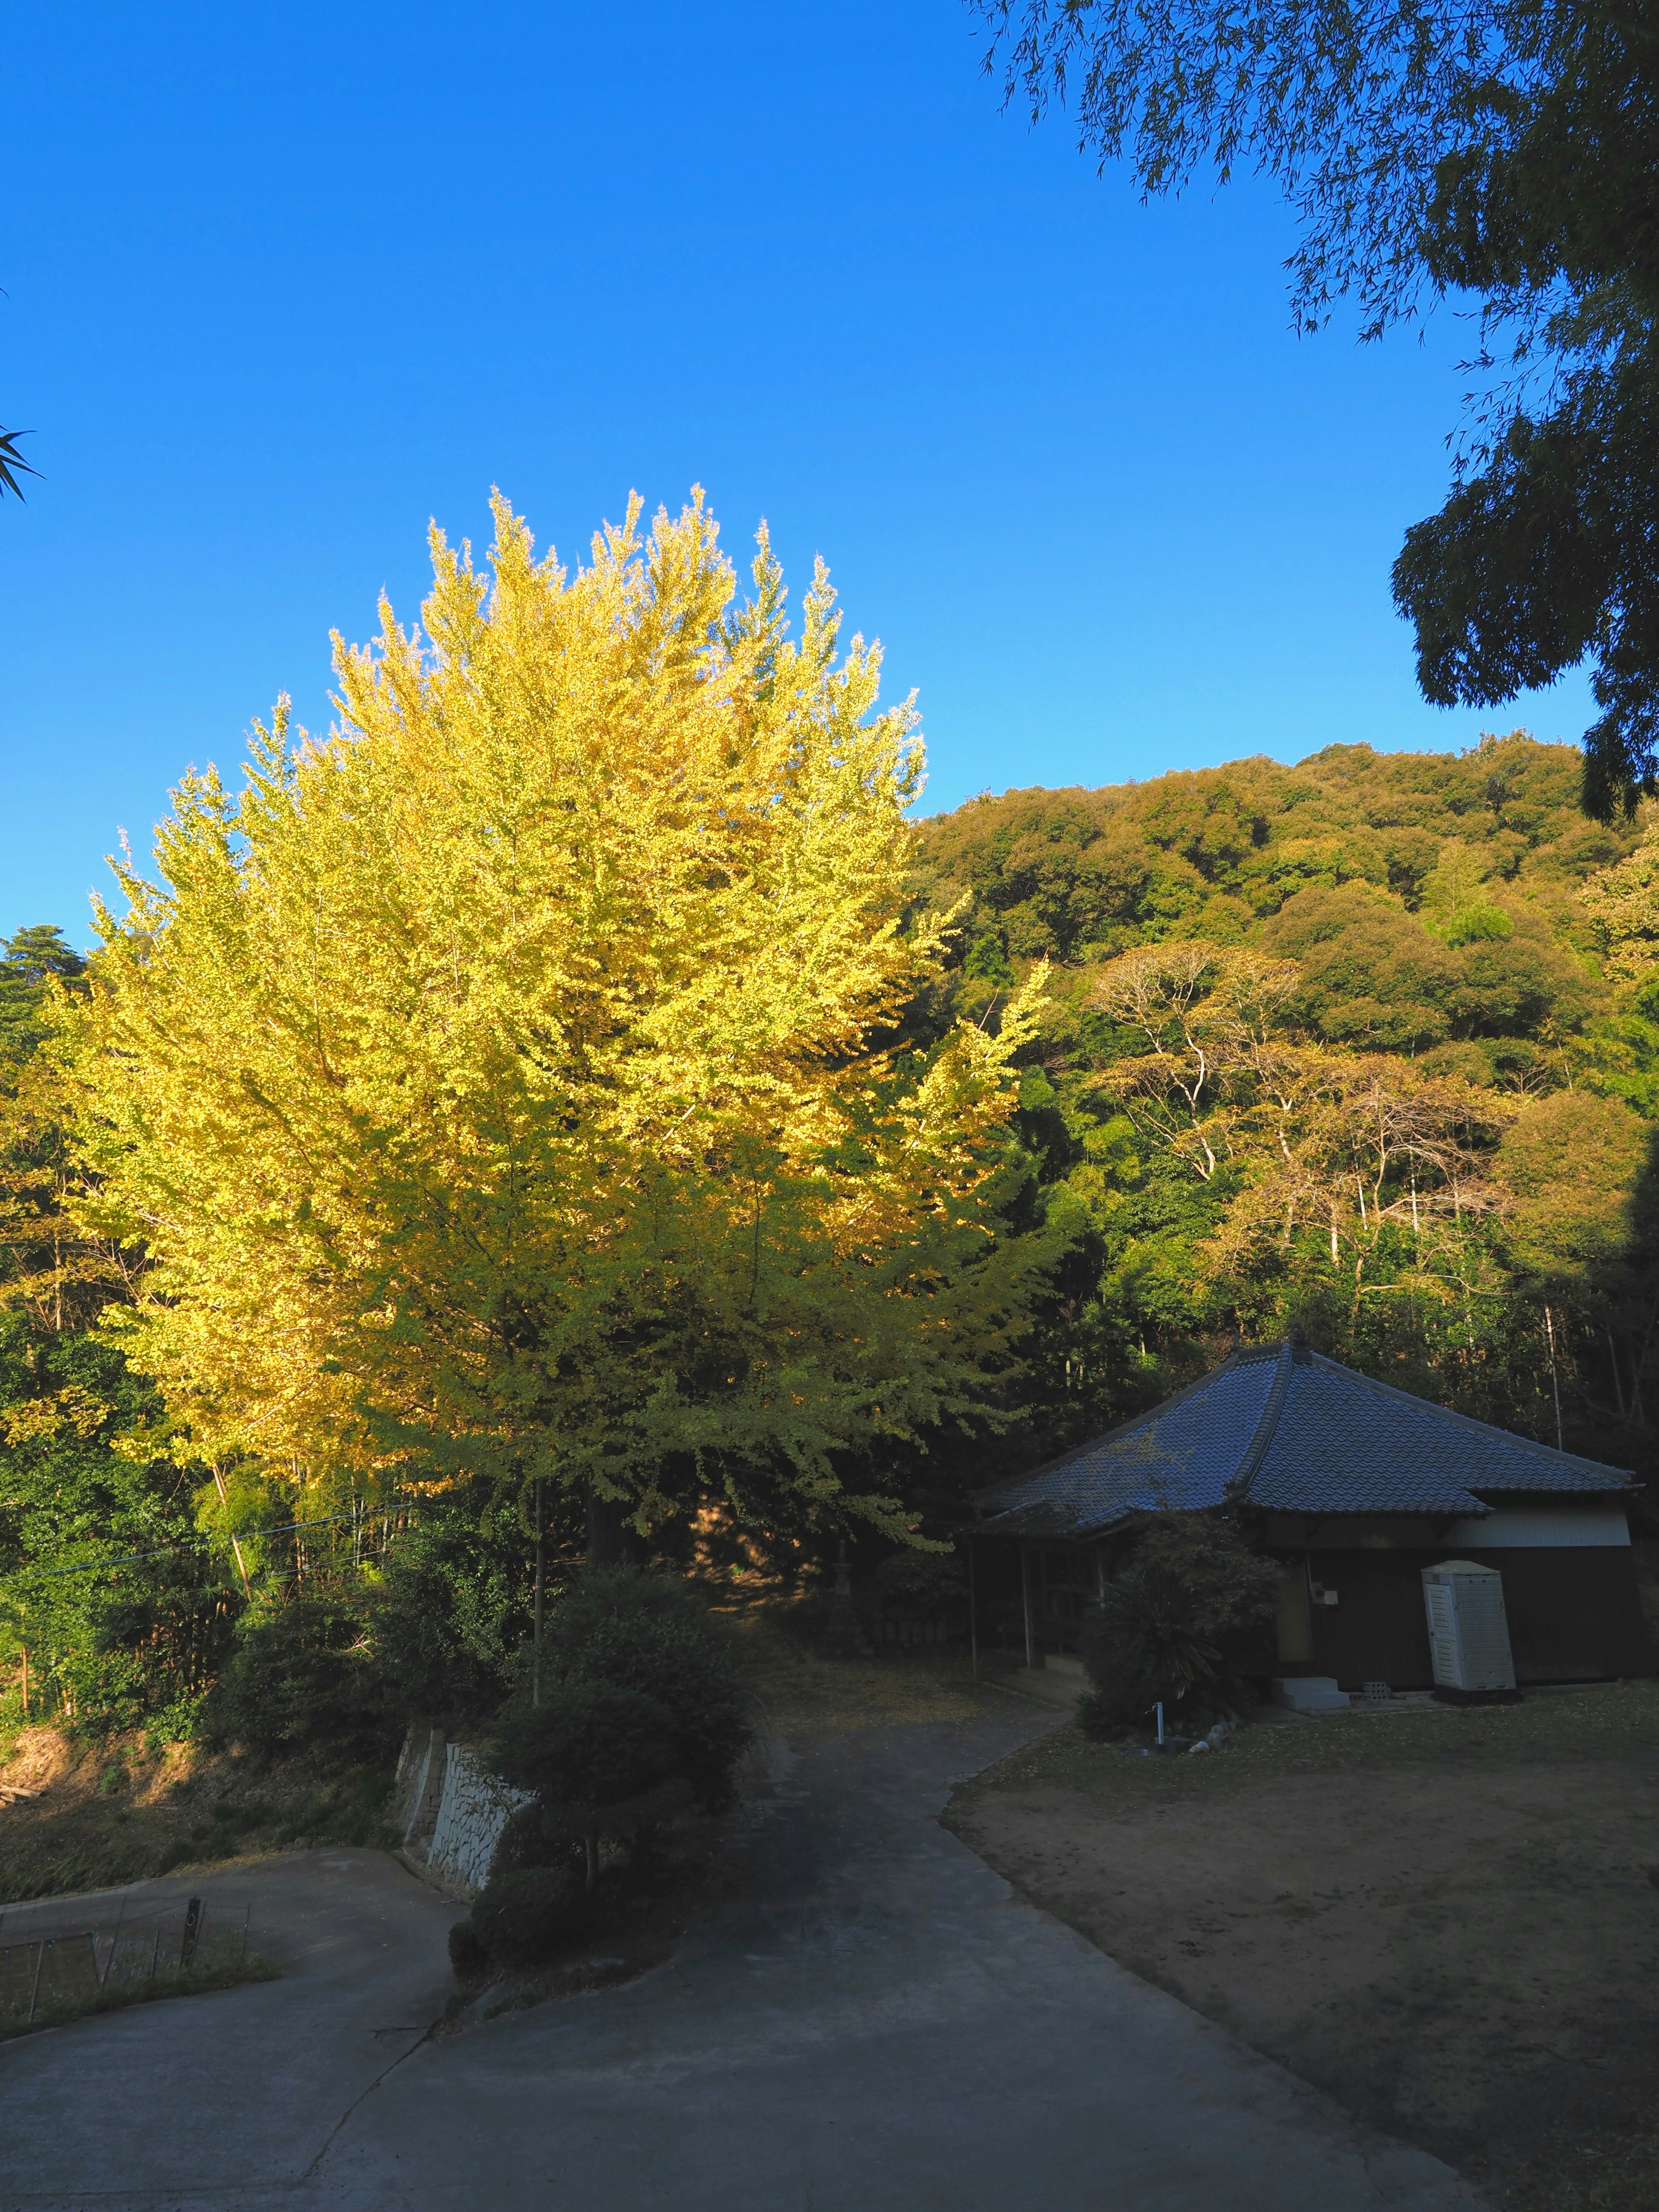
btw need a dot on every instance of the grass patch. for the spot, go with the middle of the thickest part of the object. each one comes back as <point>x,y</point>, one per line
<point>797,1686</point>
<point>190,1982</point>
<point>123,1810</point>
<point>1617,1721</point>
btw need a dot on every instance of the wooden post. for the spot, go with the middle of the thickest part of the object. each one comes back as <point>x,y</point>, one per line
<point>1025,1598</point>
<point>114,1942</point>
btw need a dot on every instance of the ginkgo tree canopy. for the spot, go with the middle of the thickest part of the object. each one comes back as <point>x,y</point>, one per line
<point>509,1080</point>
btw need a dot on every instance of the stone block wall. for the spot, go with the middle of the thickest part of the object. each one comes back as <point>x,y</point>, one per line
<point>419,1785</point>
<point>452,1809</point>
<point>474,1808</point>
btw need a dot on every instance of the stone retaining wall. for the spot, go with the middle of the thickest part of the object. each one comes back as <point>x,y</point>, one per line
<point>452,1809</point>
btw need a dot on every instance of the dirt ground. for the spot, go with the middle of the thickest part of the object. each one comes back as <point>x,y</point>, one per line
<point>1446,1918</point>
<point>120,1810</point>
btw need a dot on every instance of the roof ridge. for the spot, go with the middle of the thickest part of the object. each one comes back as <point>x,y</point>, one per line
<point>1468,1420</point>
<point>1256,1451</point>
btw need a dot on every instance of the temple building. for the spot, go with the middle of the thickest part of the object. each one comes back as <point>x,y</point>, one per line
<point>1356,1486</point>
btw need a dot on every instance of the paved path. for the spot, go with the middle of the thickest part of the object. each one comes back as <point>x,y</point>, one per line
<point>878,2026</point>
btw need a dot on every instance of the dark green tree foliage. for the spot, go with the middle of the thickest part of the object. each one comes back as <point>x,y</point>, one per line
<point>452,1607</point>
<point>650,1634</point>
<point>920,1584</point>
<point>1546,554</point>
<point>29,962</point>
<point>602,1762</point>
<point>1178,1625</point>
<point>138,1643</point>
<point>590,1747</point>
<point>1504,151</point>
<point>1077,875</point>
<point>1351,106</point>
<point>302,1677</point>
<point>143,1640</point>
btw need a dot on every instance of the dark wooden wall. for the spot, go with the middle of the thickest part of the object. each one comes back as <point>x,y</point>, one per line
<point>1574,1613</point>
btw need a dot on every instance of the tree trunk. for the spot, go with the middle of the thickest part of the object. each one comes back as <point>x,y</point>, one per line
<point>607,1533</point>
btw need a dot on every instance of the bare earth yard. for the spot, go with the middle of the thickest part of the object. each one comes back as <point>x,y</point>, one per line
<point>1447,1919</point>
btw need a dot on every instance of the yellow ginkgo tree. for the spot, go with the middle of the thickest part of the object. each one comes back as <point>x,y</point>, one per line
<point>511,1082</point>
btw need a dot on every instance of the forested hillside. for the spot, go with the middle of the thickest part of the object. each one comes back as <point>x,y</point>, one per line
<point>721,1245</point>
<point>77,1481</point>
<point>1341,1042</point>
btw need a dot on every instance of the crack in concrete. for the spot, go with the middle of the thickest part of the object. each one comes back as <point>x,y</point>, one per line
<point>422,2035</point>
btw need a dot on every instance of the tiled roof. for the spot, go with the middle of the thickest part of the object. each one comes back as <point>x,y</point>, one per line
<point>1294,1432</point>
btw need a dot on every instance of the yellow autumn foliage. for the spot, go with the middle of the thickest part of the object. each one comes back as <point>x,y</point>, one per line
<point>508,1080</point>
<point>1623,905</point>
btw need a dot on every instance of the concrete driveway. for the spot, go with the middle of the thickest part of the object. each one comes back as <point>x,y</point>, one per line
<point>878,2026</point>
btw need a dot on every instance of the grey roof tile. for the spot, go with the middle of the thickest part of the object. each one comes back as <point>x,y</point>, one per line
<point>1294,1432</point>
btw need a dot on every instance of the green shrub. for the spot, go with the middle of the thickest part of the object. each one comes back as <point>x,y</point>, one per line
<point>652,1633</point>
<point>467,1954</point>
<point>524,1842</point>
<point>522,1917</point>
<point>590,1744</point>
<point>1177,1626</point>
<point>301,1676</point>
<point>603,1761</point>
<point>450,1609</point>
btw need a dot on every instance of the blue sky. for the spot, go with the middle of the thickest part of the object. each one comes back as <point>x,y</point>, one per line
<point>282,281</point>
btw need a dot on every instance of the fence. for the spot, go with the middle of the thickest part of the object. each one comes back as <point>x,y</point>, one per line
<point>54,1973</point>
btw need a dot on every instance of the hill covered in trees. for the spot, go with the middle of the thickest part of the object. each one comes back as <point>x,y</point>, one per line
<point>1342,1043</point>
<point>717,1185</point>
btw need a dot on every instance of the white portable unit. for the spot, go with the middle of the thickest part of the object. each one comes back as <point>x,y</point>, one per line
<point>1468,1629</point>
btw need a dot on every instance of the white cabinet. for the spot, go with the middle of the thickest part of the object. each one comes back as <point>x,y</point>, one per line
<point>1469,1628</point>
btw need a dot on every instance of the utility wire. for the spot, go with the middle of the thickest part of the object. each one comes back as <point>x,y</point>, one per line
<point>239,1536</point>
